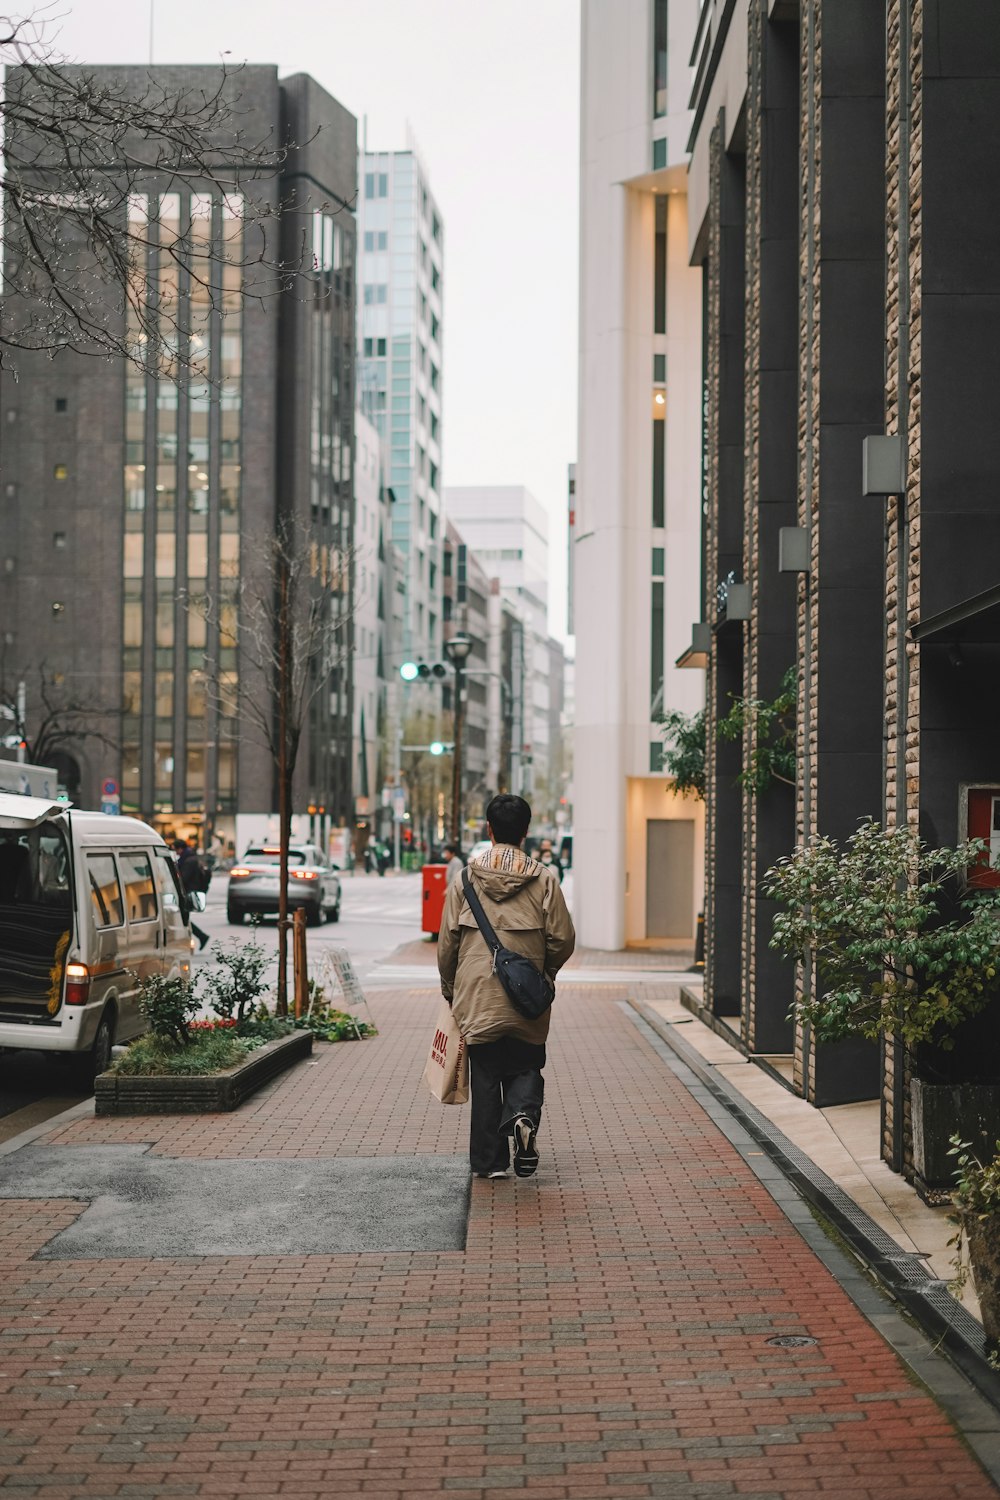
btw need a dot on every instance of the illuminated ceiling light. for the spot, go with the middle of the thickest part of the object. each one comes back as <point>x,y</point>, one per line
<point>660,398</point>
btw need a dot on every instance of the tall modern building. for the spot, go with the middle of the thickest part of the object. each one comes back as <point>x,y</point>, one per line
<point>508,530</point>
<point>400,318</point>
<point>636,576</point>
<point>134,498</point>
<point>371,624</point>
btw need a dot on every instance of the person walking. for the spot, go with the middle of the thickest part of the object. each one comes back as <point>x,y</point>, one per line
<point>523,900</point>
<point>193,878</point>
<point>451,858</point>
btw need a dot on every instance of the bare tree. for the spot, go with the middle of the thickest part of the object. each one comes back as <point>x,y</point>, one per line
<point>292,636</point>
<point>82,262</point>
<point>58,715</point>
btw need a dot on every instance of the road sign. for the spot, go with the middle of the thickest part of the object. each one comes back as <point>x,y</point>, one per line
<point>109,788</point>
<point>111,806</point>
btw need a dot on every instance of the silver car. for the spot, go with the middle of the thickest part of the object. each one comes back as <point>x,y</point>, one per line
<point>255,884</point>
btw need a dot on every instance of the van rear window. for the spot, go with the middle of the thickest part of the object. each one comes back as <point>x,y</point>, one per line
<point>36,915</point>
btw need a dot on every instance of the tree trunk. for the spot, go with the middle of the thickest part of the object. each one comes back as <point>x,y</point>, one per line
<point>284,792</point>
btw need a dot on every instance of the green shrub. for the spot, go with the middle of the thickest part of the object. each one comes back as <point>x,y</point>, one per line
<point>329,1025</point>
<point>206,1052</point>
<point>168,1005</point>
<point>235,989</point>
<point>872,921</point>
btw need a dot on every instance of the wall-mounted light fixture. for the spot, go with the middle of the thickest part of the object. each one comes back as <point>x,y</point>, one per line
<point>698,652</point>
<point>793,549</point>
<point>883,465</point>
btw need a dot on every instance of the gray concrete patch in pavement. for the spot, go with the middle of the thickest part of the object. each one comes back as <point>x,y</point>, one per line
<point>159,1207</point>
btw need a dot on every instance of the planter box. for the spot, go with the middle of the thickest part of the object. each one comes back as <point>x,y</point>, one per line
<point>939,1111</point>
<point>160,1094</point>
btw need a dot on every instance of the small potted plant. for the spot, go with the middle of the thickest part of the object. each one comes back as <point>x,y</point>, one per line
<point>976,1198</point>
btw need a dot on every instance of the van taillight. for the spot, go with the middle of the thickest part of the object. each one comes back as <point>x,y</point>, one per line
<point>77,984</point>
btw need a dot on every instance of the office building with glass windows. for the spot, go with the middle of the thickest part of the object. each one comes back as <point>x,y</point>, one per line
<point>400,379</point>
<point>637,502</point>
<point>140,504</point>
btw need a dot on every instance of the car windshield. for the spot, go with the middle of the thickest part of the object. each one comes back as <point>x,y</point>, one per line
<point>270,856</point>
<point>36,914</point>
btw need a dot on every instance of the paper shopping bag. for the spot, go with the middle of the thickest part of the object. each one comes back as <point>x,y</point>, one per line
<point>447,1070</point>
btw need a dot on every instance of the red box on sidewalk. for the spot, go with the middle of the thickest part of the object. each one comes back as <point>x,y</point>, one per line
<point>435,889</point>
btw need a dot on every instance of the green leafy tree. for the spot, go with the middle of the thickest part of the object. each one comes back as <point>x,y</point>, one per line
<point>876,918</point>
<point>773,722</point>
<point>684,751</point>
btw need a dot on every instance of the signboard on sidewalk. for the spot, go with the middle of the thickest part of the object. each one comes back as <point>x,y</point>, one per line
<point>340,972</point>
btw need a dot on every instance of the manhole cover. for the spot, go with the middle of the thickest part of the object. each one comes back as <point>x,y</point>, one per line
<point>790,1340</point>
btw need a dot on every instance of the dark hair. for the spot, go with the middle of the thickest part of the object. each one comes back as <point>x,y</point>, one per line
<point>448,849</point>
<point>508,816</point>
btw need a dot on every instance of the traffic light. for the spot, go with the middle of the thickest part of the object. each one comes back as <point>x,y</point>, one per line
<point>411,670</point>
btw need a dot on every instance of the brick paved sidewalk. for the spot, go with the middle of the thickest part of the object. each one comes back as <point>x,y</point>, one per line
<point>602,1335</point>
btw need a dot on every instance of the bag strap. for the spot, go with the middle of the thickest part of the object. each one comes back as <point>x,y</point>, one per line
<point>482,920</point>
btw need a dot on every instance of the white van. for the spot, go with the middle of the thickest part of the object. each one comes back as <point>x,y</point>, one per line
<point>89,906</point>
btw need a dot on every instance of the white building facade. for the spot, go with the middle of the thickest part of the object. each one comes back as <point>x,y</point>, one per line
<point>372,643</point>
<point>638,860</point>
<point>508,530</point>
<point>400,369</point>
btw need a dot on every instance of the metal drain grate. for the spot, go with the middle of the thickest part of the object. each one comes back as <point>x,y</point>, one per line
<point>790,1340</point>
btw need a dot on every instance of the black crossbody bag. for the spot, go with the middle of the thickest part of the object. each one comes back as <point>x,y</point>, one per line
<point>530,992</point>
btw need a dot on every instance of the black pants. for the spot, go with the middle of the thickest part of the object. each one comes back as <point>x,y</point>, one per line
<point>506,1078</point>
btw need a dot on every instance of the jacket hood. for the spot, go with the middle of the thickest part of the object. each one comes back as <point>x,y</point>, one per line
<point>503,871</point>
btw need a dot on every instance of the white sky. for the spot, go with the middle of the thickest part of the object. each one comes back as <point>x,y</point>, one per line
<point>491,92</point>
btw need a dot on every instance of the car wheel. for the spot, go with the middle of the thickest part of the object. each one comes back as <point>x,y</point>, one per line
<point>98,1059</point>
<point>314,915</point>
<point>335,912</point>
<point>234,914</point>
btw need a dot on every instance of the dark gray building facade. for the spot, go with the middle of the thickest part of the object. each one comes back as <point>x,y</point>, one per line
<point>841,204</point>
<point>139,505</point>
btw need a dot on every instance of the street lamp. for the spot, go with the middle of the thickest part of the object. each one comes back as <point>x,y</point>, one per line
<point>457,651</point>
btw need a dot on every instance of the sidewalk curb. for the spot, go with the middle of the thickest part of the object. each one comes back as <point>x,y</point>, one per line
<point>964,1383</point>
<point>54,1122</point>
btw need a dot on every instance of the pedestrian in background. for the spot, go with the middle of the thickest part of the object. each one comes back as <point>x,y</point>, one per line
<point>454,863</point>
<point>548,857</point>
<point>523,900</point>
<point>194,877</point>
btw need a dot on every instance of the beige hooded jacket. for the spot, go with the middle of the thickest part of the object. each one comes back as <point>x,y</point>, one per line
<point>525,903</point>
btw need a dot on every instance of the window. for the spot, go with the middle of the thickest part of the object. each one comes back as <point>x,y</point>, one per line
<point>660,269</point>
<point>369,348</point>
<point>59,539</point>
<point>657,562</point>
<point>170,889</point>
<point>659,368</point>
<point>60,403</point>
<point>140,892</point>
<point>659,57</point>
<point>380,348</point>
<point>659,469</point>
<point>656,647</point>
<point>656,756</point>
<point>105,892</point>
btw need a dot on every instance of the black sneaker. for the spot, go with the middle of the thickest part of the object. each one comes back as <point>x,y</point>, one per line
<point>525,1148</point>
